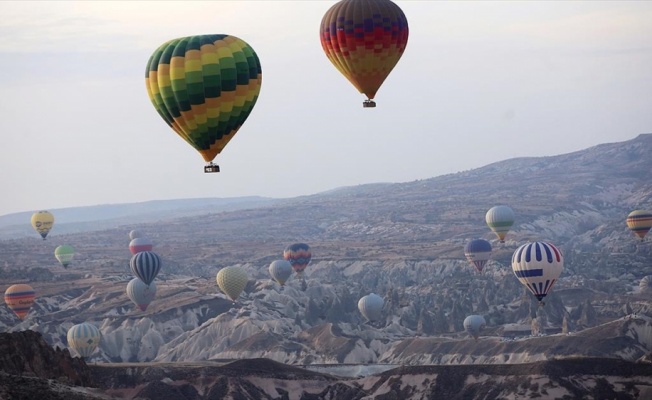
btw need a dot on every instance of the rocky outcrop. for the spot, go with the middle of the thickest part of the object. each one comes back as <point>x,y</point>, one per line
<point>26,353</point>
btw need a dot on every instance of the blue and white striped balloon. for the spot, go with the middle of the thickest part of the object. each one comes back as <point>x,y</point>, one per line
<point>145,265</point>
<point>84,338</point>
<point>537,265</point>
<point>478,252</point>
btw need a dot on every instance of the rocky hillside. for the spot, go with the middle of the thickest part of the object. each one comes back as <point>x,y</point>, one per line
<point>403,241</point>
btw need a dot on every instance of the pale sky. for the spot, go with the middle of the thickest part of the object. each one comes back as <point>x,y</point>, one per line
<point>479,82</point>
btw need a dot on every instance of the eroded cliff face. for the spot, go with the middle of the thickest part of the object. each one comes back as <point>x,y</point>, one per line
<point>31,369</point>
<point>26,353</point>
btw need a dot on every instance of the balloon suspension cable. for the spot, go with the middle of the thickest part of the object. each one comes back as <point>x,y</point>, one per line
<point>369,103</point>
<point>210,168</point>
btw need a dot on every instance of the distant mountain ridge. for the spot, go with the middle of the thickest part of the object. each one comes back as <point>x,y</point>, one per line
<point>80,219</point>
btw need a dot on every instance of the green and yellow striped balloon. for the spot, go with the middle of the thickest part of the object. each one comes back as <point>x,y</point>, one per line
<point>204,87</point>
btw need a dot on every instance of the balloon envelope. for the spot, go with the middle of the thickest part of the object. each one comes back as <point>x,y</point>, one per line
<point>134,234</point>
<point>500,219</point>
<point>371,306</point>
<point>478,252</point>
<point>84,338</point>
<point>42,222</point>
<point>299,255</point>
<point>64,254</point>
<point>232,281</point>
<point>364,40</point>
<point>140,244</point>
<point>280,270</point>
<point>640,222</point>
<point>20,299</point>
<point>145,265</point>
<point>537,265</point>
<point>645,285</point>
<point>474,324</point>
<point>204,87</point>
<point>141,293</point>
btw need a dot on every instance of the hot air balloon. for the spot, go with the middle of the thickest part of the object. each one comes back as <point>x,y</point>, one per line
<point>145,265</point>
<point>140,293</point>
<point>473,324</point>
<point>478,252</point>
<point>42,222</point>
<point>140,244</point>
<point>134,234</point>
<point>640,222</point>
<point>364,39</point>
<point>64,254</point>
<point>232,281</point>
<point>299,256</point>
<point>280,271</point>
<point>537,265</point>
<point>204,87</point>
<point>645,285</point>
<point>84,338</point>
<point>20,298</point>
<point>500,219</point>
<point>371,306</point>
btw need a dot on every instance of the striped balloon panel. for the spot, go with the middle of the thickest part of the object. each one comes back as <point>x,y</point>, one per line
<point>232,281</point>
<point>364,39</point>
<point>84,338</point>
<point>640,222</point>
<point>204,87</point>
<point>140,293</point>
<point>299,255</point>
<point>371,306</point>
<point>20,299</point>
<point>145,265</point>
<point>478,252</point>
<point>537,265</point>
<point>280,270</point>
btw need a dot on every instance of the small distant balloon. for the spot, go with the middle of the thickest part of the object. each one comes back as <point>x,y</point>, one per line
<point>145,265</point>
<point>299,255</point>
<point>371,306</point>
<point>500,219</point>
<point>232,281</point>
<point>84,338</point>
<point>140,244</point>
<point>42,222</point>
<point>538,265</point>
<point>134,234</point>
<point>20,299</point>
<point>280,270</point>
<point>478,252</point>
<point>141,293</point>
<point>64,254</point>
<point>474,324</point>
<point>640,222</point>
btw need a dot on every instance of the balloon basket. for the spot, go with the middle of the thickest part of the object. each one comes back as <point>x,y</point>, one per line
<point>369,104</point>
<point>210,168</point>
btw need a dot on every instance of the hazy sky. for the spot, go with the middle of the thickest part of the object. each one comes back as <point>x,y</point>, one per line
<point>479,82</point>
